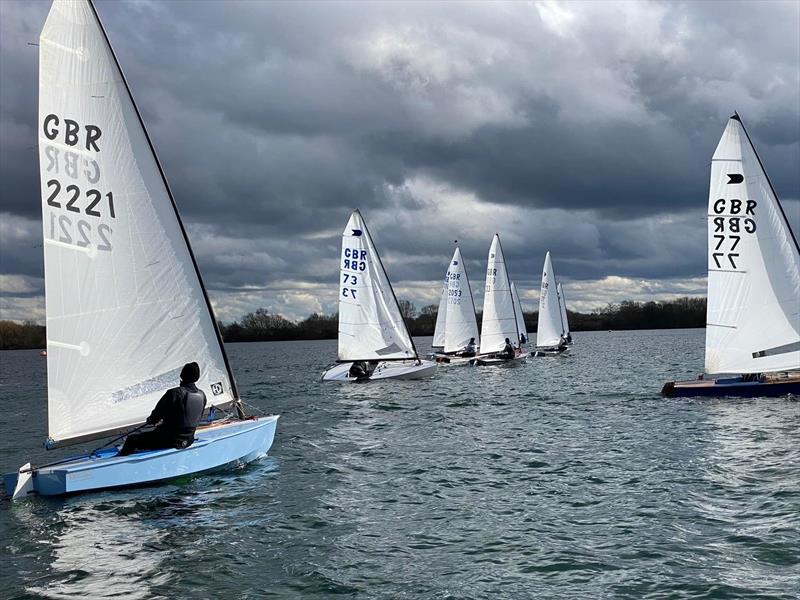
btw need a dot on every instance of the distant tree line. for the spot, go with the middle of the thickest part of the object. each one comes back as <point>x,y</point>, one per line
<point>14,336</point>
<point>263,325</point>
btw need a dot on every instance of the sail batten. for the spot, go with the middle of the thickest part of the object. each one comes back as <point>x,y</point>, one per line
<point>371,326</point>
<point>753,265</point>
<point>499,313</point>
<point>124,297</point>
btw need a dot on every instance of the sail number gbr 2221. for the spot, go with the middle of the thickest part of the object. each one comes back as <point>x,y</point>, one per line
<point>79,209</point>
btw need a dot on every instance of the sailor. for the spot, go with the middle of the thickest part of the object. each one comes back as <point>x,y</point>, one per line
<point>358,369</point>
<point>522,339</point>
<point>508,352</point>
<point>470,348</point>
<point>562,342</point>
<point>176,416</point>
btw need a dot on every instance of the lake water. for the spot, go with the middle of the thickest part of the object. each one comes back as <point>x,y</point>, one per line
<point>568,477</point>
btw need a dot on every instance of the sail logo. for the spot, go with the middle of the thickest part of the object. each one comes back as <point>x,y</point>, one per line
<point>357,233</point>
<point>216,388</point>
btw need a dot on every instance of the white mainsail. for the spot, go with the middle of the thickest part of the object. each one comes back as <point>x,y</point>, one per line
<point>125,304</point>
<point>549,328</point>
<point>520,317</point>
<point>753,318</point>
<point>371,326</point>
<point>562,301</point>
<point>499,313</point>
<point>441,316</point>
<point>461,323</point>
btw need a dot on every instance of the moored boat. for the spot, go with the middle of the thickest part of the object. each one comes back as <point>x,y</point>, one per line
<point>753,317</point>
<point>125,302</point>
<point>374,341</point>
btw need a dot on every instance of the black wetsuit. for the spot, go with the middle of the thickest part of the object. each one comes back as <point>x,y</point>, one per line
<point>177,415</point>
<point>508,352</point>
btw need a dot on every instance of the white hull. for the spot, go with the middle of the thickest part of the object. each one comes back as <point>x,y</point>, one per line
<point>452,359</point>
<point>491,361</point>
<point>385,370</point>
<point>550,351</point>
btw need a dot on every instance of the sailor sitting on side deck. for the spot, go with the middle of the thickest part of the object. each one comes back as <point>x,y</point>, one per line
<point>176,416</point>
<point>508,352</point>
<point>470,349</point>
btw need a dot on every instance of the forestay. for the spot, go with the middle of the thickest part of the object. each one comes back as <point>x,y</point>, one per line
<point>499,313</point>
<point>562,302</point>
<point>461,323</point>
<point>371,326</point>
<point>518,310</point>
<point>549,329</point>
<point>125,304</point>
<point>441,316</point>
<point>753,320</point>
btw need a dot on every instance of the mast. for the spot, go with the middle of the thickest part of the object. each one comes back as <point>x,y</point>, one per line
<point>766,175</point>
<point>508,281</point>
<point>469,287</point>
<point>234,387</point>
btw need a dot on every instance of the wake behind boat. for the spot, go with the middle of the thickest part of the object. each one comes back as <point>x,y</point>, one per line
<point>374,342</point>
<point>126,305</point>
<point>550,339</point>
<point>753,314</point>
<point>456,325</point>
<point>500,341</point>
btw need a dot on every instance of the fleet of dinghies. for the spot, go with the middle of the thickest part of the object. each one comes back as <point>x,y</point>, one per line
<point>126,305</point>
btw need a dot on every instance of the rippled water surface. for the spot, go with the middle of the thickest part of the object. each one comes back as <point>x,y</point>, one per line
<point>568,477</point>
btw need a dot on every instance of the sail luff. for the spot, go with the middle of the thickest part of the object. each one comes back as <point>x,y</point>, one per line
<point>232,379</point>
<point>786,223</point>
<point>441,316</point>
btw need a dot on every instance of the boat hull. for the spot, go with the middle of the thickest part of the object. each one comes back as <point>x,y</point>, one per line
<point>489,361</point>
<point>550,351</point>
<point>731,386</point>
<point>452,359</point>
<point>215,446</point>
<point>424,369</point>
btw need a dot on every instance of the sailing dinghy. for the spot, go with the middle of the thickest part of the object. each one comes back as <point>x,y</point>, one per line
<point>126,307</point>
<point>374,342</point>
<point>562,302</point>
<point>499,313</point>
<point>753,314</point>
<point>459,324</point>
<point>521,328</point>
<point>550,338</point>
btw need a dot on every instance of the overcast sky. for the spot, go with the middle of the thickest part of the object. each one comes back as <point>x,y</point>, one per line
<point>585,129</point>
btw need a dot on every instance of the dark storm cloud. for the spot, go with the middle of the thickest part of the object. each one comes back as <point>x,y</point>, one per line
<point>585,128</point>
